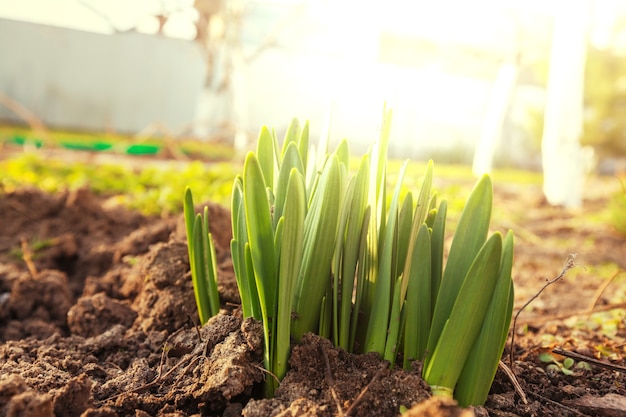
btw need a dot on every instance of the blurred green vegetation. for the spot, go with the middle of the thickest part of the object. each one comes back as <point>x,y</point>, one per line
<point>617,208</point>
<point>604,95</point>
<point>154,188</point>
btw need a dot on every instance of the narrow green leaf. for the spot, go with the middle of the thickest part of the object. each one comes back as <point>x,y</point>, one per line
<point>343,153</point>
<point>190,217</point>
<point>338,259</point>
<point>292,135</point>
<point>289,266</point>
<point>379,317</point>
<point>418,299</point>
<point>469,237</point>
<point>482,363</point>
<point>261,239</point>
<point>357,330</point>
<point>445,362</point>
<point>320,237</point>
<point>325,312</point>
<point>198,274</point>
<point>291,159</point>
<point>237,212</point>
<point>393,328</point>
<point>303,146</point>
<point>212,279</point>
<point>266,156</point>
<point>255,301</point>
<point>418,218</point>
<point>437,240</point>
<point>278,239</point>
<point>210,266</point>
<point>405,219</point>
<point>356,200</point>
<point>244,273</point>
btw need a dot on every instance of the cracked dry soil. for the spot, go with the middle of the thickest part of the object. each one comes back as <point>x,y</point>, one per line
<point>99,321</point>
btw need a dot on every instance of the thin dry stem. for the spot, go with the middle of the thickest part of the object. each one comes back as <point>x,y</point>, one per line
<point>331,382</point>
<point>364,390</point>
<point>27,256</point>
<point>518,387</point>
<point>569,264</point>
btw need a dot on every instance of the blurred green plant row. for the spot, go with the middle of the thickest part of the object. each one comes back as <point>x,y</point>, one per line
<point>153,189</point>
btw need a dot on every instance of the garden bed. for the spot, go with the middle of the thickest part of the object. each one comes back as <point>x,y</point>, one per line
<point>97,318</point>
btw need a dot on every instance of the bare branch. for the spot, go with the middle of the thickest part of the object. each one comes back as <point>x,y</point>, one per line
<point>569,264</point>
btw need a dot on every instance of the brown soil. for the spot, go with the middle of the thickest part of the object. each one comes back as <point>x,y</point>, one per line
<point>99,321</point>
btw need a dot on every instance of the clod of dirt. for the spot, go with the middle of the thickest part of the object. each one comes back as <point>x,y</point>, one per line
<point>29,404</point>
<point>327,381</point>
<point>438,407</point>
<point>166,301</point>
<point>202,375</point>
<point>73,398</point>
<point>92,315</point>
<point>37,305</point>
<point>17,399</point>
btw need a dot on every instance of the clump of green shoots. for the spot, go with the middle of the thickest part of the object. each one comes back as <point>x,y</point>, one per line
<point>317,248</point>
<point>201,259</point>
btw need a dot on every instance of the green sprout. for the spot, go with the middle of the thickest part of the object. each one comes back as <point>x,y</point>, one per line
<point>566,367</point>
<point>201,259</point>
<point>317,248</point>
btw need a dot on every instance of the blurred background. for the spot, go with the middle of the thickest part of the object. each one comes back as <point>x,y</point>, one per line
<point>509,83</point>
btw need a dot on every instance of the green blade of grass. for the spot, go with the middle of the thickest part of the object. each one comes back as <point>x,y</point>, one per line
<point>352,247</point>
<point>289,266</point>
<point>376,336</point>
<point>418,218</point>
<point>418,299</point>
<point>437,240</point>
<point>482,363</point>
<point>393,328</point>
<point>291,159</point>
<point>446,361</point>
<point>261,240</point>
<point>303,146</point>
<point>266,155</point>
<point>343,153</point>
<point>320,238</point>
<point>292,135</point>
<point>469,237</point>
<point>357,330</point>
<point>405,219</point>
<point>255,301</point>
<point>237,245</point>
<point>338,259</point>
<point>210,266</point>
<point>199,279</point>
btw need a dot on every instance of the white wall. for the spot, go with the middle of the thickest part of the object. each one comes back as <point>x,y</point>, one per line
<point>90,81</point>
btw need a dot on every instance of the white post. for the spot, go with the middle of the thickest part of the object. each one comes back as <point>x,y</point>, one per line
<point>563,165</point>
<point>497,106</point>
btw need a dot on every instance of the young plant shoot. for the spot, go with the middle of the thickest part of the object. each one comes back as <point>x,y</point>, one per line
<point>319,248</point>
